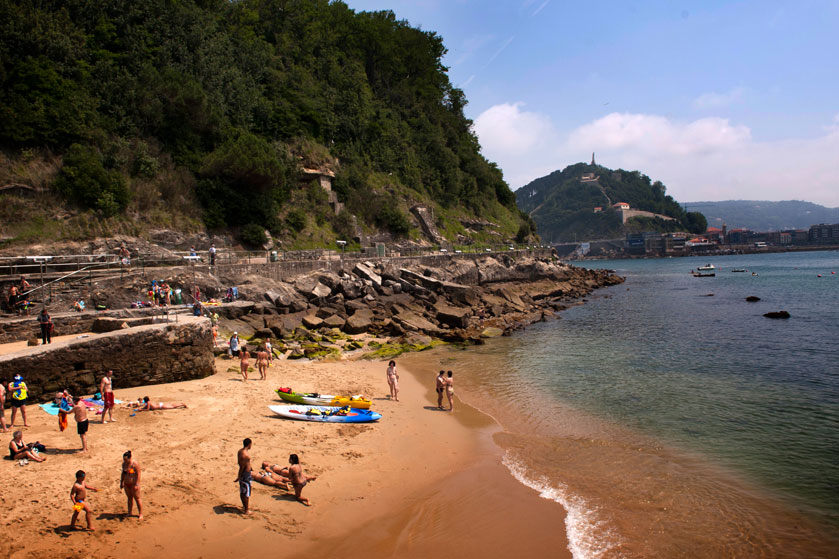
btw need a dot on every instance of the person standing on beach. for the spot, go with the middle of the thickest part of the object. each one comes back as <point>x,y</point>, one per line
<point>130,483</point>
<point>45,322</point>
<point>106,387</point>
<point>212,255</point>
<point>450,390</point>
<point>269,349</point>
<point>215,335</point>
<point>244,361</point>
<point>441,387</point>
<point>3,407</point>
<point>245,476</point>
<point>262,363</point>
<point>19,398</point>
<point>78,494</point>
<point>298,479</point>
<point>234,344</point>
<point>393,381</point>
<point>82,424</point>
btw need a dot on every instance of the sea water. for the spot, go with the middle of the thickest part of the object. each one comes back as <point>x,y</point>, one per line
<point>669,417</point>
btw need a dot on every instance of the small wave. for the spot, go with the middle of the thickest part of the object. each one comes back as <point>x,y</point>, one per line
<point>589,537</point>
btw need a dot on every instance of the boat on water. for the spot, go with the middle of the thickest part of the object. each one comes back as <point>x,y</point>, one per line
<point>706,268</point>
<point>315,399</point>
<point>738,270</point>
<point>326,414</point>
<point>703,275</point>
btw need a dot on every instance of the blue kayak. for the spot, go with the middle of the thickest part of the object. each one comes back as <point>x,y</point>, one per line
<point>326,414</point>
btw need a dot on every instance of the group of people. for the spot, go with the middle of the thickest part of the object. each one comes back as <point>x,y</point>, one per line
<point>129,482</point>
<point>271,475</point>
<point>16,300</point>
<point>160,294</point>
<point>444,385</point>
<point>264,356</point>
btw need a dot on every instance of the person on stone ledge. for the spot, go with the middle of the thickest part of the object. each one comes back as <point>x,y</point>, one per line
<point>45,322</point>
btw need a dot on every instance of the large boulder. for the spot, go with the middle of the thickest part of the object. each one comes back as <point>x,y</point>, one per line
<point>360,322</point>
<point>453,316</point>
<point>411,321</point>
<point>334,321</point>
<point>312,322</point>
<point>777,314</point>
<point>365,270</point>
<point>311,287</point>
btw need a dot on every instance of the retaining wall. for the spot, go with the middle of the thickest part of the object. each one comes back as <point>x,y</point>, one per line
<point>151,354</point>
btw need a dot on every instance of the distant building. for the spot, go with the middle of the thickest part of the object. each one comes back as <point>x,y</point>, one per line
<point>589,177</point>
<point>823,234</point>
<point>621,206</point>
<point>598,209</point>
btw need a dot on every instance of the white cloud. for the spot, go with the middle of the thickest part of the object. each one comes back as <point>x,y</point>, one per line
<point>715,100</point>
<point>704,159</point>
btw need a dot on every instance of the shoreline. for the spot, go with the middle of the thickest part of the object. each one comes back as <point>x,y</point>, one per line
<point>412,484</point>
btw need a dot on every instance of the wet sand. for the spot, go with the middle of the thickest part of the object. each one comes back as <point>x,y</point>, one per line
<point>418,482</point>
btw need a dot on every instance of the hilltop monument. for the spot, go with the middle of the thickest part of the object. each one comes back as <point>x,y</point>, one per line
<point>592,160</point>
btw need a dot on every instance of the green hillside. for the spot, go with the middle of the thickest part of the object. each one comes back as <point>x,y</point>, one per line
<point>202,113</point>
<point>562,204</point>
<point>761,215</point>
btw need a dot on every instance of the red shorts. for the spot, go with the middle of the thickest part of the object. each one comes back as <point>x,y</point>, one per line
<point>109,399</point>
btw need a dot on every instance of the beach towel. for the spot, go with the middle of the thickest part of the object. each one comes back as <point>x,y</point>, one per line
<point>62,420</point>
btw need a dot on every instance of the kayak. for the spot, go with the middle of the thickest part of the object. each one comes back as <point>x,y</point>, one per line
<point>326,414</point>
<point>315,399</point>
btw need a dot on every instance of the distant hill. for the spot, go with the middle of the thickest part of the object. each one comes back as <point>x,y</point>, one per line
<point>563,204</point>
<point>765,216</point>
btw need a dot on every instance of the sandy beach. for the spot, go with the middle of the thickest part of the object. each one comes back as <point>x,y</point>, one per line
<point>420,481</point>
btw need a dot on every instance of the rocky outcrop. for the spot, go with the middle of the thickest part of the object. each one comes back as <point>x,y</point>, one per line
<point>777,314</point>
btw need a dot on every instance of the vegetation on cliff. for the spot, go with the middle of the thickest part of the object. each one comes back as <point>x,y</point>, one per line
<point>203,113</point>
<point>563,204</point>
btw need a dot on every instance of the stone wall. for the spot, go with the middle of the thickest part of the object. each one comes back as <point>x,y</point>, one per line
<point>151,354</point>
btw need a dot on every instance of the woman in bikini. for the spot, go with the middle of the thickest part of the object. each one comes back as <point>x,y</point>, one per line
<point>393,381</point>
<point>130,482</point>
<point>441,387</point>
<point>450,390</point>
<point>244,356</point>
<point>262,363</point>
<point>298,478</point>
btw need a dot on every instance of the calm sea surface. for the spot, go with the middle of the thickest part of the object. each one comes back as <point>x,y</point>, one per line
<point>669,417</point>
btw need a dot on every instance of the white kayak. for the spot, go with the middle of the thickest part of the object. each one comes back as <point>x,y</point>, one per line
<point>326,414</point>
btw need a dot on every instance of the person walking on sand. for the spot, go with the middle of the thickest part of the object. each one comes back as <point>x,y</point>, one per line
<point>269,350</point>
<point>393,381</point>
<point>130,483</point>
<point>441,387</point>
<point>45,322</point>
<point>244,358</point>
<point>245,476</point>
<point>19,397</point>
<point>78,495</point>
<point>262,363</point>
<point>298,479</point>
<point>450,390</point>
<point>106,387</point>
<point>82,424</point>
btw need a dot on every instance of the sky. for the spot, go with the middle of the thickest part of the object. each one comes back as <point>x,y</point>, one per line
<point>718,100</point>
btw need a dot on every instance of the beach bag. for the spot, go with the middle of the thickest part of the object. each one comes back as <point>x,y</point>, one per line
<point>285,390</point>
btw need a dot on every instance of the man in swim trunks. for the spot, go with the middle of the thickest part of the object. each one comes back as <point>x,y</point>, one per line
<point>82,424</point>
<point>130,482</point>
<point>148,405</point>
<point>298,479</point>
<point>106,387</point>
<point>441,387</point>
<point>78,495</point>
<point>245,476</point>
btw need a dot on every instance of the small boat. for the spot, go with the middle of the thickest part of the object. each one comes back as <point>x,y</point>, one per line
<point>315,399</point>
<point>326,414</point>
<point>738,270</point>
<point>701,275</point>
<point>706,268</point>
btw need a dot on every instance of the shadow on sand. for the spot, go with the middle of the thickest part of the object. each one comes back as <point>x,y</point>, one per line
<point>227,509</point>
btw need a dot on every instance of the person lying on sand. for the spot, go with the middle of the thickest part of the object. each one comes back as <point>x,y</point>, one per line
<point>267,477</point>
<point>298,479</point>
<point>148,405</point>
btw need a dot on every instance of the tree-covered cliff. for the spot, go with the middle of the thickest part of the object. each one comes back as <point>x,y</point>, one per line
<point>563,204</point>
<point>204,112</point>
